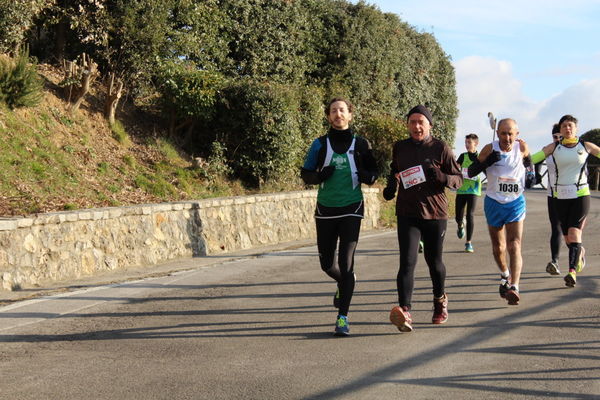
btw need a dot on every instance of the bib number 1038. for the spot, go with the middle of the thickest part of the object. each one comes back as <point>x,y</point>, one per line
<point>508,187</point>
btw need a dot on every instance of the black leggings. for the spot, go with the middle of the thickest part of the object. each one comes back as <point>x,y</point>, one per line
<point>432,232</point>
<point>346,229</point>
<point>556,233</point>
<point>470,201</point>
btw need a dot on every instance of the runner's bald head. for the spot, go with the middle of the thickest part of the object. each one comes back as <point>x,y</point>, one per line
<point>511,122</point>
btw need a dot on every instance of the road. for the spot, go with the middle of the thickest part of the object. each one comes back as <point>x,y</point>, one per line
<point>261,328</point>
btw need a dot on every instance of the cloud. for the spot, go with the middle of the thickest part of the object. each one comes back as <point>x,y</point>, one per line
<point>486,84</point>
<point>581,100</point>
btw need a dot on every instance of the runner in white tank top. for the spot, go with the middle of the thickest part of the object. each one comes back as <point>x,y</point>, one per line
<point>506,178</point>
<point>504,203</point>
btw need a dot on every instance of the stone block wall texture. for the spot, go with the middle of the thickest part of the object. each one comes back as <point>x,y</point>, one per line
<point>67,245</point>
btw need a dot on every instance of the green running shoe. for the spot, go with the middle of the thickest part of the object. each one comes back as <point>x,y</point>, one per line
<point>570,279</point>
<point>469,248</point>
<point>341,326</point>
<point>581,264</point>
<point>460,232</point>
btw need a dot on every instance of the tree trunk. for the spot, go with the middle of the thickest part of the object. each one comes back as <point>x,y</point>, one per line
<point>113,94</point>
<point>89,71</point>
<point>61,40</point>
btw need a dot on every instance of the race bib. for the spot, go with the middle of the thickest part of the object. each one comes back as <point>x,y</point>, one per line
<point>566,192</point>
<point>465,173</point>
<point>412,176</point>
<point>508,187</point>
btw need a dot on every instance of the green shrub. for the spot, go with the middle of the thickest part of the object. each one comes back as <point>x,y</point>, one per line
<point>188,92</point>
<point>155,185</point>
<point>103,167</point>
<point>16,17</point>
<point>20,84</point>
<point>217,163</point>
<point>594,137</point>
<point>383,131</point>
<point>120,134</point>
<point>129,160</point>
<point>262,126</point>
<point>167,149</point>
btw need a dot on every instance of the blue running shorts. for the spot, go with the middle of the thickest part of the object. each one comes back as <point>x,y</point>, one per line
<point>498,214</point>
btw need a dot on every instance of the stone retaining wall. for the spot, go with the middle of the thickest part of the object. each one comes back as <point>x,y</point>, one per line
<point>67,245</point>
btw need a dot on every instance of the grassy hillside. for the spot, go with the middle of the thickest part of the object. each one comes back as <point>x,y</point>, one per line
<point>52,159</point>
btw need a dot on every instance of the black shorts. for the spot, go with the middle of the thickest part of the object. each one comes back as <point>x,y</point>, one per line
<point>572,212</point>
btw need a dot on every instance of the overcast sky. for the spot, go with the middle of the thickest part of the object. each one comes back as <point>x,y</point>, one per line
<point>530,60</point>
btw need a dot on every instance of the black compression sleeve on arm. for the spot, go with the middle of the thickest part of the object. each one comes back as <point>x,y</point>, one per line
<point>476,168</point>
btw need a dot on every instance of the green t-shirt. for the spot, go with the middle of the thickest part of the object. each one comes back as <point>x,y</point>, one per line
<point>470,185</point>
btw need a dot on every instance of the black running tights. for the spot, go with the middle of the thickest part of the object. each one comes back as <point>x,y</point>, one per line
<point>469,201</point>
<point>346,230</point>
<point>432,232</point>
<point>556,235</point>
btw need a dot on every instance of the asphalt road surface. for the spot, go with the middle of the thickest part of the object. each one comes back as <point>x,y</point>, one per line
<point>261,328</point>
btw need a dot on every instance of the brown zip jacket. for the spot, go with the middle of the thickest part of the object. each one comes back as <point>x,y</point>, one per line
<point>425,200</point>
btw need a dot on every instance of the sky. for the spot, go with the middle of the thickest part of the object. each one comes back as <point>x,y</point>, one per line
<point>530,60</point>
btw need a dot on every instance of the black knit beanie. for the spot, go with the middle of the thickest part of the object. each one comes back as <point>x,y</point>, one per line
<point>420,109</point>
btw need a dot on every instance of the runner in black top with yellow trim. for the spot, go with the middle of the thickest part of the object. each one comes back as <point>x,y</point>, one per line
<point>570,189</point>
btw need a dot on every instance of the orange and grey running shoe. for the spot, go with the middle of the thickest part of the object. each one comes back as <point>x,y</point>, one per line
<point>400,316</point>
<point>552,268</point>
<point>512,296</point>
<point>440,310</point>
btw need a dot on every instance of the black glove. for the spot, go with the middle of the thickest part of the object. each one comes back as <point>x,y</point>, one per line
<point>366,177</point>
<point>326,172</point>
<point>434,174</point>
<point>529,179</point>
<point>492,158</point>
<point>390,188</point>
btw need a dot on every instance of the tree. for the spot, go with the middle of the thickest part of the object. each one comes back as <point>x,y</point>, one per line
<point>16,19</point>
<point>268,40</point>
<point>593,136</point>
<point>189,59</point>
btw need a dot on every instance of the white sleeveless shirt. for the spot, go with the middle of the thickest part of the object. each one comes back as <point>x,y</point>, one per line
<point>571,171</point>
<point>506,178</point>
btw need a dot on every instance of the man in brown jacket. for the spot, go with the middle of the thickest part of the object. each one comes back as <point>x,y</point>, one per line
<point>422,167</point>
